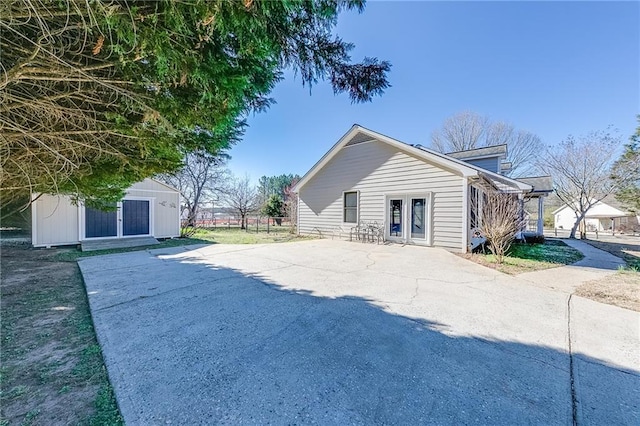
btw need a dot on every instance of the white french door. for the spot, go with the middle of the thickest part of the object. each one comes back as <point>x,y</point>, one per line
<point>408,218</point>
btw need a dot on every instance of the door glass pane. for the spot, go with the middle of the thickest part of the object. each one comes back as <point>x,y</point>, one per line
<point>418,229</point>
<point>135,217</point>
<point>395,218</point>
<point>99,223</point>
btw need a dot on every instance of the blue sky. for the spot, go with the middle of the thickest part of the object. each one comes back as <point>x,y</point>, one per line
<point>553,68</point>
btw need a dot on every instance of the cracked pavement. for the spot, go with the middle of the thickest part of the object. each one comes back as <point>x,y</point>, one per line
<point>332,332</point>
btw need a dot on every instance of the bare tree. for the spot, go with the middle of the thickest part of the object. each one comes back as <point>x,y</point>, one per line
<point>469,130</point>
<point>523,147</point>
<point>581,170</point>
<point>502,219</point>
<point>242,196</point>
<point>199,181</point>
<point>460,132</point>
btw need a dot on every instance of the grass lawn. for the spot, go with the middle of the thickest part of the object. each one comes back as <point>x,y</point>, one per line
<point>202,236</point>
<point>221,235</point>
<point>52,371</point>
<point>530,257</point>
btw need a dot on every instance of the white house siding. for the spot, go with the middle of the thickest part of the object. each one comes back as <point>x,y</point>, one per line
<point>56,220</point>
<point>375,169</point>
<point>565,218</point>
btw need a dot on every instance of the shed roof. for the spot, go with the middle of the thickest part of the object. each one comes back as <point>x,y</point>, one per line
<point>166,185</point>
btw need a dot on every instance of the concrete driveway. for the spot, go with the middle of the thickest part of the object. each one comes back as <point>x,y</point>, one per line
<point>331,332</point>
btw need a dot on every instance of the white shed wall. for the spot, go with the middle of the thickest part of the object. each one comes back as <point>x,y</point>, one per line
<point>166,211</point>
<point>375,169</point>
<point>56,220</point>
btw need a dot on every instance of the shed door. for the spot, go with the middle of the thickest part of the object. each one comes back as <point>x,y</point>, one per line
<point>100,223</point>
<point>135,217</point>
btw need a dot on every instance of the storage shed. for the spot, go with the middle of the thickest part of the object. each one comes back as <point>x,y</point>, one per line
<point>149,209</point>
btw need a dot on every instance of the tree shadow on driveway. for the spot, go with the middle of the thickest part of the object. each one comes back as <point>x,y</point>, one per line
<point>186,342</point>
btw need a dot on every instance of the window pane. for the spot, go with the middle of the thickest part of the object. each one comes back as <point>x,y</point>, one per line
<point>351,199</point>
<point>350,215</point>
<point>395,218</point>
<point>418,218</point>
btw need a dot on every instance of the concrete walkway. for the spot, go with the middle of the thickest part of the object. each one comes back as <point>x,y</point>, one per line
<point>331,332</point>
<point>595,264</point>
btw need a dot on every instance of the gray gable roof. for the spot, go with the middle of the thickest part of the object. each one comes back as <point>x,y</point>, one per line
<point>488,151</point>
<point>540,184</point>
<point>358,134</point>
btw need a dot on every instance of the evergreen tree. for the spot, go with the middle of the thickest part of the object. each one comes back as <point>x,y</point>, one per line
<point>274,207</point>
<point>270,185</point>
<point>626,172</point>
<point>97,95</point>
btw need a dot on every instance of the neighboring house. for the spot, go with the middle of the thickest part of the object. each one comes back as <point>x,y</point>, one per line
<point>149,208</point>
<point>603,216</point>
<point>419,195</point>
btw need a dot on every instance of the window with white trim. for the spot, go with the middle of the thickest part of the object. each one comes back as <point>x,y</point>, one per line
<point>350,207</point>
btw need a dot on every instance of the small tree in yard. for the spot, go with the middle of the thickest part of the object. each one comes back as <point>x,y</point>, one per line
<point>581,171</point>
<point>242,197</point>
<point>273,208</point>
<point>291,205</point>
<point>501,220</point>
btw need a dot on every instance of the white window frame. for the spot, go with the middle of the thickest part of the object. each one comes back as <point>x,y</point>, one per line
<point>406,198</point>
<point>342,219</point>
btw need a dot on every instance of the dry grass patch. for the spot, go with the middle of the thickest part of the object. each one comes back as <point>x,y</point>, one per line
<point>621,289</point>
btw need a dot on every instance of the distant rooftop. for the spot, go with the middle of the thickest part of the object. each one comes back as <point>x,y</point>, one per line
<point>541,184</point>
<point>488,151</point>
